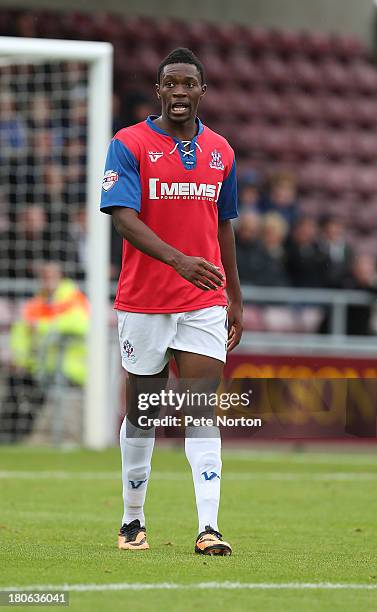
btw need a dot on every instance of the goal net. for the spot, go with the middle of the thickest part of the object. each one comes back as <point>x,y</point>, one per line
<point>55,99</point>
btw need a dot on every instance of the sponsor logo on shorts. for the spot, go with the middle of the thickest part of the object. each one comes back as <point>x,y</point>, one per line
<point>128,351</point>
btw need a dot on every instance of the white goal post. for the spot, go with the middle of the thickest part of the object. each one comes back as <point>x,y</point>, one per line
<point>98,56</point>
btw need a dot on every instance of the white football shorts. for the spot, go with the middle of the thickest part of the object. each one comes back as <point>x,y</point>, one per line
<point>146,340</point>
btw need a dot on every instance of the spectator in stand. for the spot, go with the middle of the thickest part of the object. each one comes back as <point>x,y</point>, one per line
<point>78,114</point>
<point>249,197</point>
<point>79,239</point>
<point>48,338</point>
<point>41,122</point>
<point>248,246</point>
<point>13,137</point>
<point>260,249</point>
<point>272,271</point>
<point>137,106</point>
<point>306,263</point>
<point>282,197</point>
<point>29,241</point>
<point>75,170</point>
<point>363,277</point>
<point>338,252</point>
<point>23,246</point>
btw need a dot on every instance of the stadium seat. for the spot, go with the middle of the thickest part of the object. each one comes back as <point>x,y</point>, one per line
<point>364,112</point>
<point>277,142</point>
<point>317,45</point>
<point>336,76</point>
<point>198,33</point>
<point>364,181</point>
<point>364,77</point>
<point>244,71</point>
<point>364,146</point>
<point>310,176</point>
<point>273,106</point>
<point>337,145</point>
<point>287,43</point>
<point>259,40</point>
<point>307,143</point>
<point>216,105</point>
<point>336,110</point>
<point>243,105</point>
<point>347,48</point>
<point>303,108</point>
<point>250,139</point>
<point>216,72</point>
<point>337,179</point>
<point>169,33</point>
<point>305,75</point>
<point>275,71</point>
<point>147,60</point>
<point>365,215</point>
<point>229,35</point>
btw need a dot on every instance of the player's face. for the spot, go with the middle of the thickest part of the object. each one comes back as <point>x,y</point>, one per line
<point>180,90</point>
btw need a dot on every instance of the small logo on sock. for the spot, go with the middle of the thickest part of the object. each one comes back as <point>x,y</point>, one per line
<point>135,484</point>
<point>210,476</point>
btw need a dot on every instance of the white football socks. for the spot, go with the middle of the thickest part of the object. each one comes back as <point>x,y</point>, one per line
<point>136,448</point>
<point>203,451</point>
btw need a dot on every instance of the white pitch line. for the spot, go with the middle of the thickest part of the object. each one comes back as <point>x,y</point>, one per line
<point>175,476</point>
<point>125,586</point>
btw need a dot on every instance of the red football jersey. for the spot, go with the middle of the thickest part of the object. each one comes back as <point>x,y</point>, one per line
<point>181,189</point>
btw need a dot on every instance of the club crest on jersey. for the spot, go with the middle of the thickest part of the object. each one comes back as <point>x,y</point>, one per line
<point>216,161</point>
<point>128,351</point>
<point>155,155</point>
<point>109,179</point>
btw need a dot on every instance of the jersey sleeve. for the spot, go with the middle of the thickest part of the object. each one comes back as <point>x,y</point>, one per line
<point>121,182</point>
<point>227,202</point>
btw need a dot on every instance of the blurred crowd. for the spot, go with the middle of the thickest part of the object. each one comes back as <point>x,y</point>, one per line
<point>279,246</point>
<point>43,118</point>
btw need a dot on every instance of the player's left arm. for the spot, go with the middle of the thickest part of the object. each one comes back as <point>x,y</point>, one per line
<point>233,289</point>
<point>227,208</point>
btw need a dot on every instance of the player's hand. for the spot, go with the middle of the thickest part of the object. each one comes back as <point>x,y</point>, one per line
<point>235,325</point>
<point>200,272</point>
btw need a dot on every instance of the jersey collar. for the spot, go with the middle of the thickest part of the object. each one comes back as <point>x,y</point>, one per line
<point>150,122</point>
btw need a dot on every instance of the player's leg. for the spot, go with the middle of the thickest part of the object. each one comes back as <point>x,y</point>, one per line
<point>202,374</point>
<point>200,351</point>
<point>137,445</point>
<point>145,357</point>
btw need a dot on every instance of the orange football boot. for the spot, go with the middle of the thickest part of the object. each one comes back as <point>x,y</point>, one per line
<point>132,536</point>
<point>210,542</point>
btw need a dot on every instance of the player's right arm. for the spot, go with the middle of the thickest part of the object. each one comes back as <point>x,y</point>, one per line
<point>121,197</point>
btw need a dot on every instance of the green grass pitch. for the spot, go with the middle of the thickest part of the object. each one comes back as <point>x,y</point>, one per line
<point>292,517</point>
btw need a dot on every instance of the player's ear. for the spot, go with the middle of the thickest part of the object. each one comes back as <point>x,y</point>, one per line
<point>204,89</point>
<point>157,87</point>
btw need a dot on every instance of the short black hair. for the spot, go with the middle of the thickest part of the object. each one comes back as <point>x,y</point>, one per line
<point>181,55</point>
